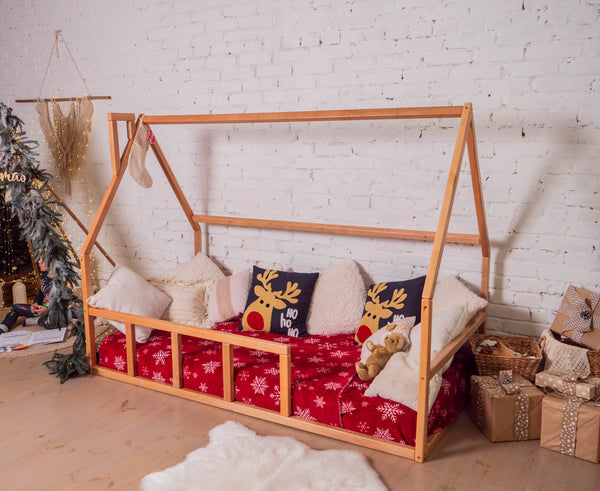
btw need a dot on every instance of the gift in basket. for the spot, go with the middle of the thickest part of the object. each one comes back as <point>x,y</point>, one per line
<point>494,353</point>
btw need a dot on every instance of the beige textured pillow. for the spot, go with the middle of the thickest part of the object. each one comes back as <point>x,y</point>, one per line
<point>197,270</point>
<point>338,300</point>
<point>189,303</point>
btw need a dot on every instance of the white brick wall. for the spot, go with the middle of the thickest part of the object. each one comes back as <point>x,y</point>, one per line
<point>531,69</point>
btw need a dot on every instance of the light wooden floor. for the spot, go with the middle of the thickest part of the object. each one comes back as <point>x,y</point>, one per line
<point>95,433</point>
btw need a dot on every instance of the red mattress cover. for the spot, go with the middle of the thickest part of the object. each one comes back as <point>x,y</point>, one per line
<point>325,387</point>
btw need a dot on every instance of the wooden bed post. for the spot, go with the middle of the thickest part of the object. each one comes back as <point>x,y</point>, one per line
<point>183,202</point>
<point>119,164</point>
<point>431,280</point>
<point>481,216</point>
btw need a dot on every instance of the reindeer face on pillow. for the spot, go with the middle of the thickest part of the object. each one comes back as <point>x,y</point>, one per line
<point>388,303</point>
<point>278,302</point>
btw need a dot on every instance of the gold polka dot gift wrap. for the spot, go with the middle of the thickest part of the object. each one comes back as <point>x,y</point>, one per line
<point>571,426</point>
<point>506,412</point>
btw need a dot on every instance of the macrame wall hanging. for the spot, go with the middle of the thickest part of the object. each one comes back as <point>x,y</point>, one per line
<point>66,132</point>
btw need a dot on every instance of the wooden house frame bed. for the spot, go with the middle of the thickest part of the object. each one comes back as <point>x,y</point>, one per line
<point>465,140</point>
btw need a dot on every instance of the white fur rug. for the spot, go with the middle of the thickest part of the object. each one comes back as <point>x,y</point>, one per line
<point>237,459</point>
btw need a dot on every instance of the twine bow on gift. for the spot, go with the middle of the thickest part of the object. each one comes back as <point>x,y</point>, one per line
<point>580,313</point>
<point>506,385</point>
<point>569,380</point>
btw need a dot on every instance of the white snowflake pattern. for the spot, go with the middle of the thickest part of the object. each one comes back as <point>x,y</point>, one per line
<point>315,359</point>
<point>319,402</point>
<point>363,427</point>
<point>304,414</point>
<point>211,366</point>
<point>158,377</point>
<point>390,411</point>
<point>160,357</point>
<point>259,384</point>
<point>243,376</point>
<point>333,386</point>
<point>312,340</point>
<point>145,371</point>
<point>347,407</point>
<point>275,395</point>
<point>272,371</point>
<point>365,404</point>
<point>120,363</point>
<point>383,434</point>
<point>338,354</point>
<point>186,372</point>
<point>203,387</point>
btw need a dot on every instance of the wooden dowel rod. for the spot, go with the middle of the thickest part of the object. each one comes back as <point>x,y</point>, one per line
<point>389,233</point>
<point>300,116</point>
<point>64,99</point>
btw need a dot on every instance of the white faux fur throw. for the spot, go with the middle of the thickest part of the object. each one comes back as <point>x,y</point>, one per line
<point>237,459</point>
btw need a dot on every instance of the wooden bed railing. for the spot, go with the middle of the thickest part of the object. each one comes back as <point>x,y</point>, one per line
<point>465,141</point>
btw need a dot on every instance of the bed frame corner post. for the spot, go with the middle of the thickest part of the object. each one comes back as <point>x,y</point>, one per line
<point>424,377</point>
<point>480,212</point>
<point>88,320</point>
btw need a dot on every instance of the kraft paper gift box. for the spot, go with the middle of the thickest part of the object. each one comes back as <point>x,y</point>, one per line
<point>578,317</point>
<point>508,411</point>
<point>569,383</point>
<point>571,426</point>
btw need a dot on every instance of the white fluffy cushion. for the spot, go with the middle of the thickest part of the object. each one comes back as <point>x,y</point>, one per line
<point>227,296</point>
<point>378,337</point>
<point>338,300</point>
<point>189,303</point>
<point>128,292</point>
<point>399,379</point>
<point>450,292</point>
<point>197,270</point>
<point>445,326</point>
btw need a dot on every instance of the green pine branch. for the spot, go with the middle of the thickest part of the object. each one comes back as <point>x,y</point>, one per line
<point>19,173</point>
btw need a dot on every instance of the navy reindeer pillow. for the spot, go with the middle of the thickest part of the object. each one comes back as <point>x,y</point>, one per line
<point>278,302</point>
<point>388,303</point>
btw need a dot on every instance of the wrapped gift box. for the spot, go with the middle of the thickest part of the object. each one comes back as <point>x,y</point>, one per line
<point>506,410</point>
<point>571,426</point>
<point>578,317</point>
<point>569,383</point>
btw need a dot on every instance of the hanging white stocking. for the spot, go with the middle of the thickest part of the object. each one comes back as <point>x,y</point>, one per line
<point>137,157</point>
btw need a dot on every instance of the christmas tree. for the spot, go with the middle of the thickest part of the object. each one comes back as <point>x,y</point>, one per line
<point>22,184</point>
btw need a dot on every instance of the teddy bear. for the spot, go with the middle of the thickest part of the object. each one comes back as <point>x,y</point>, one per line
<point>393,343</point>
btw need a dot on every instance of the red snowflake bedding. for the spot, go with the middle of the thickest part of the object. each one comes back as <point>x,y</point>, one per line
<point>325,387</point>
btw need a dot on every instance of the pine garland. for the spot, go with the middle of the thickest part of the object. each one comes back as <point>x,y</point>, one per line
<point>19,173</point>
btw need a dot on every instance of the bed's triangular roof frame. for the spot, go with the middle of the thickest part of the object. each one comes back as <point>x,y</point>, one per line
<point>465,140</point>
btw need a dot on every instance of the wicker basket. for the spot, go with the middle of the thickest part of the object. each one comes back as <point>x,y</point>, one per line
<point>502,357</point>
<point>594,359</point>
<point>593,355</point>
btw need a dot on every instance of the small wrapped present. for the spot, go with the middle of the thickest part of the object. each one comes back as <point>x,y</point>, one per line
<point>569,383</point>
<point>506,407</point>
<point>571,426</point>
<point>578,317</point>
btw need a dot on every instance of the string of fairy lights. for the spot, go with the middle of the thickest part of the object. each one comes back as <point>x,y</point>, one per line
<point>75,158</point>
